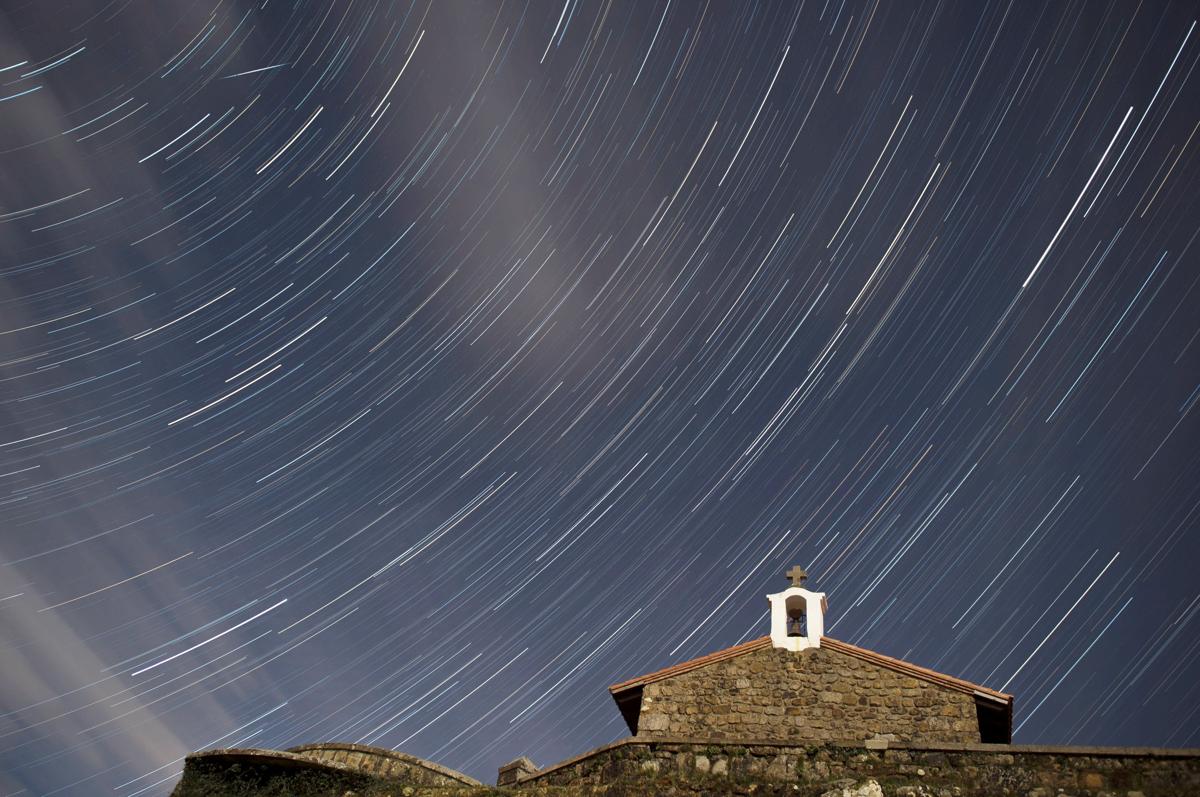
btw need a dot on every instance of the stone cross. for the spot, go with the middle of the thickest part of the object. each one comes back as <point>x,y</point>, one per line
<point>797,575</point>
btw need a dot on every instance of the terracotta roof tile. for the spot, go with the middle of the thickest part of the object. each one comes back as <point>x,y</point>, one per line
<point>932,676</point>
<point>692,664</point>
<point>914,670</point>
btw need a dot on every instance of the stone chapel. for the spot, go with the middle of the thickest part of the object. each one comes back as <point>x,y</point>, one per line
<point>798,685</point>
<point>792,712</point>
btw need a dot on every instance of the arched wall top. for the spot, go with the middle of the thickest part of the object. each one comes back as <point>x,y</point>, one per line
<point>380,761</point>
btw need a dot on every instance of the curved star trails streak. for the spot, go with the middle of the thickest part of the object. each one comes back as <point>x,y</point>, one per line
<point>406,372</point>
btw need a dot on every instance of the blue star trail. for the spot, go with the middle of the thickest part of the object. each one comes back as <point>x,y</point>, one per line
<point>405,373</point>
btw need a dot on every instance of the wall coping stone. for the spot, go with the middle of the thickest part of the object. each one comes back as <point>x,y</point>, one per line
<point>384,753</point>
<point>515,770</point>
<point>861,744</point>
<point>256,755</point>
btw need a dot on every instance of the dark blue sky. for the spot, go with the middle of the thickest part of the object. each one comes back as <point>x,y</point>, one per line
<point>406,373</point>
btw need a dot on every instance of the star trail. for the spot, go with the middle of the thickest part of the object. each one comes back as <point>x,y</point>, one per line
<point>407,372</point>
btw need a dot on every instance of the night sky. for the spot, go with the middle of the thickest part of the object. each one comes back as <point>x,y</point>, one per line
<point>406,373</point>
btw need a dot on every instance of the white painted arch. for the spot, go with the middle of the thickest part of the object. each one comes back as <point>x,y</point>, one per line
<point>815,607</point>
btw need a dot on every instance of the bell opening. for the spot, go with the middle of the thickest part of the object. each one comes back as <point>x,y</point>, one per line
<point>797,617</point>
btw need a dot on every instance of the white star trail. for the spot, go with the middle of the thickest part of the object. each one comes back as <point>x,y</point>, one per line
<point>407,373</point>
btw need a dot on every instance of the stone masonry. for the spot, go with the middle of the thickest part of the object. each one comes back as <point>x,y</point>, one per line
<point>388,763</point>
<point>637,767</point>
<point>695,767</point>
<point>813,695</point>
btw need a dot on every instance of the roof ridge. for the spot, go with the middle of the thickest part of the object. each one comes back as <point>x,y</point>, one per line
<point>898,665</point>
<point>692,664</point>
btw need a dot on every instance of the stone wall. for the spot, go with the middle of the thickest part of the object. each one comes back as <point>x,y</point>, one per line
<point>814,695</point>
<point>265,773</point>
<point>707,767</point>
<point>702,768</point>
<point>386,763</point>
<point>315,770</point>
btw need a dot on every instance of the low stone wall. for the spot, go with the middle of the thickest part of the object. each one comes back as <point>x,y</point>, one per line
<point>265,773</point>
<point>697,766</point>
<point>318,770</point>
<point>689,767</point>
<point>384,763</point>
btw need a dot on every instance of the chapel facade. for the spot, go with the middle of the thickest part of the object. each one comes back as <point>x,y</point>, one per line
<point>797,685</point>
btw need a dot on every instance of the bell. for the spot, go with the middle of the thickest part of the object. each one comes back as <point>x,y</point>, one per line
<point>795,625</point>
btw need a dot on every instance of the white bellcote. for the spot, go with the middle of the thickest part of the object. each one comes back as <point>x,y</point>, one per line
<point>797,615</point>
